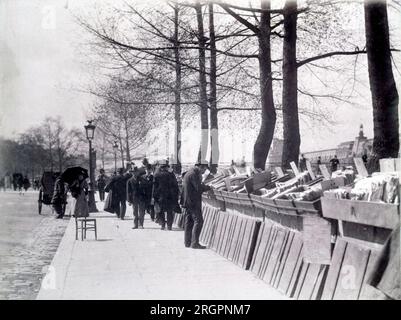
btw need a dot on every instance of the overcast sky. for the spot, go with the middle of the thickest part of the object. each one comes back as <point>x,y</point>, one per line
<point>41,67</point>
<point>39,63</point>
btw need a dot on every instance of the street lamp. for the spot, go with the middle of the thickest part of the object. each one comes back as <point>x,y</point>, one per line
<point>90,134</point>
<point>115,147</point>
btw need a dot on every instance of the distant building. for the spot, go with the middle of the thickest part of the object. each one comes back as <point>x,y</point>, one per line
<point>345,151</point>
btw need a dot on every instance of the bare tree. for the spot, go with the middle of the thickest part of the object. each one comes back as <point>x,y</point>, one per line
<point>122,120</point>
<point>385,101</point>
<point>268,114</point>
<point>291,134</point>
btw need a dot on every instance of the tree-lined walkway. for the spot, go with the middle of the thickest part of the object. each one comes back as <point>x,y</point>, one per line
<point>144,264</point>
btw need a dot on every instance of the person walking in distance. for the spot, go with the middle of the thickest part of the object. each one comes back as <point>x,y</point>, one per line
<point>26,184</point>
<point>132,192</point>
<point>3,184</point>
<point>192,201</point>
<point>334,163</point>
<point>302,163</point>
<point>365,159</point>
<point>150,208</point>
<point>101,184</point>
<point>318,163</point>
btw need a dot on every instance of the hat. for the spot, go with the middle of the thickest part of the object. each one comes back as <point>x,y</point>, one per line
<point>141,171</point>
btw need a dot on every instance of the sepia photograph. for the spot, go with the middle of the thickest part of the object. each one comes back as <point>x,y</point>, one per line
<point>213,152</point>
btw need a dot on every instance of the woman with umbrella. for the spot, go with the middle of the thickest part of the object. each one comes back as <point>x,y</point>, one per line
<point>76,177</point>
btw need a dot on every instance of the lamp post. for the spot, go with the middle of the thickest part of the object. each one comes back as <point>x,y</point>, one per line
<point>115,147</point>
<point>90,134</point>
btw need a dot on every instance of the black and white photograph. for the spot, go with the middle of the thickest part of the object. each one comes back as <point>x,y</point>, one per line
<point>225,151</point>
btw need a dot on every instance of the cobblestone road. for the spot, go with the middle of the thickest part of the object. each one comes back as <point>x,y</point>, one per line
<point>28,242</point>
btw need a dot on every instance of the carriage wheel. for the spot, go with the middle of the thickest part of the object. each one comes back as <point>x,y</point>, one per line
<point>40,202</point>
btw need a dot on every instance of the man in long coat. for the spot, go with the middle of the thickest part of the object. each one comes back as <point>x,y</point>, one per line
<point>59,198</point>
<point>118,187</point>
<point>139,195</point>
<point>101,184</point>
<point>192,201</point>
<point>165,194</point>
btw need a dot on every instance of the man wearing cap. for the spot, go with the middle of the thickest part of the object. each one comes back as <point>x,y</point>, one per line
<point>192,202</point>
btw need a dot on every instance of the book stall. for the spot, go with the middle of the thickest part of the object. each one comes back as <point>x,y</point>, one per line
<point>298,231</point>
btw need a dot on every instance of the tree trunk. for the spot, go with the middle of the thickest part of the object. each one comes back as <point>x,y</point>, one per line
<point>382,85</point>
<point>202,86</point>
<point>291,134</point>
<point>60,159</point>
<point>265,136</point>
<point>127,145</point>
<point>214,125</point>
<point>59,154</point>
<point>121,152</point>
<point>103,150</point>
<point>177,95</point>
<point>51,158</point>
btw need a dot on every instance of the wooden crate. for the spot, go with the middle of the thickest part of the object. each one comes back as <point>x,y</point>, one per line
<point>309,207</point>
<point>257,201</point>
<point>245,200</point>
<point>230,197</point>
<point>286,206</point>
<point>351,267</point>
<point>218,195</point>
<point>383,215</point>
<point>270,205</point>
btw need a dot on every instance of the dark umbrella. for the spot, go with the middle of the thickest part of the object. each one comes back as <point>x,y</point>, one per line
<point>71,174</point>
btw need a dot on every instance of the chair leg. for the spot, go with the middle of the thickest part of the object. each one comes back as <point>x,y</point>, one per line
<point>76,229</point>
<point>82,231</point>
<point>85,230</point>
<point>95,230</point>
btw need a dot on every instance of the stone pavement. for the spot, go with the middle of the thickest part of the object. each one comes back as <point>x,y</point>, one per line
<point>143,264</point>
<point>24,265</point>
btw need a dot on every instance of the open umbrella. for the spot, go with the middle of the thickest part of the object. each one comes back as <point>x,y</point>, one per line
<point>71,174</point>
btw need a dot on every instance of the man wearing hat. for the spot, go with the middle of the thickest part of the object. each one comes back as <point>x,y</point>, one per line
<point>192,201</point>
<point>118,186</point>
<point>139,196</point>
<point>101,184</point>
<point>165,194</point>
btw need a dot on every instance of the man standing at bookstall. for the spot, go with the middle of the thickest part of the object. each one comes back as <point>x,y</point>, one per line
<point>192,202</point>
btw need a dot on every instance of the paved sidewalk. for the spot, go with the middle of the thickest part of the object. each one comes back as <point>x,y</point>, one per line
<point>28,242</point>
<point>143,264</point>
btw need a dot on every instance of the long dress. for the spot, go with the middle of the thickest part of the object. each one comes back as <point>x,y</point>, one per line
<point>79,204</point>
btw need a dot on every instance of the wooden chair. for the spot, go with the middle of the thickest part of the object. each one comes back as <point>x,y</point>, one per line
<point>85,224</point>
